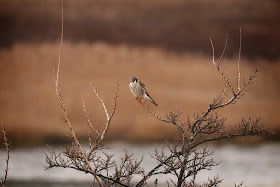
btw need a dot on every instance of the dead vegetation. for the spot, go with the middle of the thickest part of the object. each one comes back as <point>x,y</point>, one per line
<point>6,143</point>
<point>27,97</point>
<point>184,159</point>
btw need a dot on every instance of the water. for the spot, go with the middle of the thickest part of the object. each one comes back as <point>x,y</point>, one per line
<point>257,166</point>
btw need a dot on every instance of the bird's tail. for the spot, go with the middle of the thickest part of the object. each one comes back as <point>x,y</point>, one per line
<point>151,99</point>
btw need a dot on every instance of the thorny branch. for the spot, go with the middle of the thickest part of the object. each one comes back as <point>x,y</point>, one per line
<point>62,103</point>
<point>88,120</point>
<point>238,63</point>
<point>182,159</point>
<point>2,182</point>
<point>102,134</point>
<point>171,117</point>
<point>109,117</point>
<point>74,156</point>
<point>104,165</point>
<point>205,127</point>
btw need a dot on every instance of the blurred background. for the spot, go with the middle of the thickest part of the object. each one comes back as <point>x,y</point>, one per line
<point>165,43</point>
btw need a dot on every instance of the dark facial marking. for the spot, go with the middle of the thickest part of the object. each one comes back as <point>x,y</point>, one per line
<point>133,79</point>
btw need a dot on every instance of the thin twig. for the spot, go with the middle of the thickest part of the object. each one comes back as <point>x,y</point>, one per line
<point>108,117</point>
<point>99,98</point>
<point>93,173</point>
<point>61,101</point>
<point>155,114</point>
<point>88,120</point>
<point>8,154</point>
<point>224,92</point>
<point>204,123</point>
<point>218,66</point>
<point>60,50</point>
<point>250,80</point>
<point>238,63</point>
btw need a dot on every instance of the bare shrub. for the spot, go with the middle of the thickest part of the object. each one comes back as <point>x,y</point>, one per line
<point>184,158</point>
<point>3,181</point>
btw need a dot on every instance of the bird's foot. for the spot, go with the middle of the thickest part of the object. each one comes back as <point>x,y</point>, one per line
<point>138,99</point>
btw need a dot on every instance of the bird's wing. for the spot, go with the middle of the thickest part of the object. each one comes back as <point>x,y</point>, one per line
<point>144,87</point>
<point>142,84</point>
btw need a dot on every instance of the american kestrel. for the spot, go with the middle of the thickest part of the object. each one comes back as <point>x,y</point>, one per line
<point>138,89</point>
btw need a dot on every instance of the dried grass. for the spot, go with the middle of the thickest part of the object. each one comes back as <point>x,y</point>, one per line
<point>174,80</point>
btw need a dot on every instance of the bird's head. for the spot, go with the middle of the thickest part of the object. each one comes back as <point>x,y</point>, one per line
<point>133,79</point>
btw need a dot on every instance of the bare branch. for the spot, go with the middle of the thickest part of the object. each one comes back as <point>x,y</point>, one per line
<point>238,63</point>
<point>8,154</point>
<point>223,93</point>
<point>221,58</point>
<point>148,175</point>
<point>209,127</point>
<point>216,105</point>
<point>218,66</point>
<point>88,120</point>
<point>124,172</point>
<point>61,101</point>
<point>155,114</point>
<point>250,80</point>
<point>172,117</point>
<point>235,185</point>
<point>99,98</point>
<point>248,127</point>
<point>108,117</point>
<point>182,158</point>
<point>60,50</point>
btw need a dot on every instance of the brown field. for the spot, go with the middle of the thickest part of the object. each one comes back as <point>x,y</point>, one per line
<point>187,82</point>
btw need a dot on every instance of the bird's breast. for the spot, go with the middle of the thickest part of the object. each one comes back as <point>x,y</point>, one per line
<point>137,90</point>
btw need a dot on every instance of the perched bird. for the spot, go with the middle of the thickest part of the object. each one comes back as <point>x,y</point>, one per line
<point>139,91</point>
